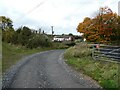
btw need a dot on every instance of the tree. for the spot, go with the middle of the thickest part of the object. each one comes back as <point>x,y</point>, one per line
<point>70,34</point>
<point>101,28</point>
<point>6,22</point>
<point>24,33</point>
<point>7,28</point>
<point>38,40</point>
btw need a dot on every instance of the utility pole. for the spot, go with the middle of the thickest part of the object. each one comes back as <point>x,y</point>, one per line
<point>39,30</point>
<point>52,30</point>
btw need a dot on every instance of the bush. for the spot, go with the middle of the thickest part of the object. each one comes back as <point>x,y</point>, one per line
<point>80,50</point>
<point>38,41</point>
<point>58,45</point>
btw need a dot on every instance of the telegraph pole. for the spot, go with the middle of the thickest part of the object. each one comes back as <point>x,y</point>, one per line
<point>39,30</point>
<point>52,30</point>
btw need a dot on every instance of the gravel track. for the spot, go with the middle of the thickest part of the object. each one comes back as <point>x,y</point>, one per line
<point>45,70</point>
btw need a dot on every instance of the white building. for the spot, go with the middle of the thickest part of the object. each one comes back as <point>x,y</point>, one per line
<point>62,38</point>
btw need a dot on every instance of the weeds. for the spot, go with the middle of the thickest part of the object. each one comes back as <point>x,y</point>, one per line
<point>106,73</point>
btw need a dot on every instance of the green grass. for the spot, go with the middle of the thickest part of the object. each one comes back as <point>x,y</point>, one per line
<point>58,45</point>
<point>104,72</point>
<point>12,54</point>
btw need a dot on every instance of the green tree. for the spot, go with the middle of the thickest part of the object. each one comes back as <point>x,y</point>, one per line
<point>6,22</point>
<point>8,35</point>
<point>39,40</point>
<point>24,33</point>
<point>7,27</point>
<point>70,34</point>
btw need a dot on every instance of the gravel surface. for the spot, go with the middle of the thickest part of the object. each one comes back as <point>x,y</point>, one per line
<point>45,70</point>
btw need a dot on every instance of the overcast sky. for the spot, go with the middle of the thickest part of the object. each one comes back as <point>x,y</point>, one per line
<point>64,15</point>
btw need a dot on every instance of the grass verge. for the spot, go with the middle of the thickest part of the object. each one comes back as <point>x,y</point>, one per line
<point>104,72</point>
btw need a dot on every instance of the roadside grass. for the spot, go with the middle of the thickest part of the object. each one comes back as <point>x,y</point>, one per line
<point>104,72</point>
<point>12,54</point>
<point>58,45</point>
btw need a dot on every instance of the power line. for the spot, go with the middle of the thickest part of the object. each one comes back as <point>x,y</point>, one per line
<point>34,8</point>
<point>37,6</point>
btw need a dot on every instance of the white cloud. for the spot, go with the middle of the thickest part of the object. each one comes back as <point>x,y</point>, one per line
<point>64,15</point>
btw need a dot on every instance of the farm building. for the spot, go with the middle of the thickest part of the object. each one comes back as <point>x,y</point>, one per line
<point>63,38</point>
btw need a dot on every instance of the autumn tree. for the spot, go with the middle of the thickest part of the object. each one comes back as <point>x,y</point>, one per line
<point>101,28</point>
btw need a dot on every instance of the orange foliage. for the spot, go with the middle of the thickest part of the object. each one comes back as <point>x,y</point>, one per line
<point>99,28</point>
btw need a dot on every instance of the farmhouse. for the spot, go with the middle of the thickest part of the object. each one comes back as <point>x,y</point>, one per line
<point>63,38</point>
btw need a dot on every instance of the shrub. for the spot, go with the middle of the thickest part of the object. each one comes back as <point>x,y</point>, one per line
<point>80,50</point>
<point>58,45</point>
<point>38,41</point>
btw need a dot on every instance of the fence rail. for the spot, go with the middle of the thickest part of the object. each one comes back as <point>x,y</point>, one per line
<point>112,52</point>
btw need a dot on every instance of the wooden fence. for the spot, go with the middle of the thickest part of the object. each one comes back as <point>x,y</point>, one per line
<point>110,53</point>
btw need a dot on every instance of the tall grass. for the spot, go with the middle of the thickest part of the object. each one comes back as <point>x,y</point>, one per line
<point>104,72</point>
<point>80,51</point>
